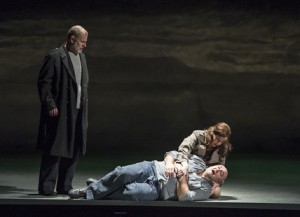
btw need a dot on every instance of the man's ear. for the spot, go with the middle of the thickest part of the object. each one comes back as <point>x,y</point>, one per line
<point>73,39</point>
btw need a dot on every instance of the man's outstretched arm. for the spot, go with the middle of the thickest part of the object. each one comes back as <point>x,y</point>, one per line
<point>182,187</point>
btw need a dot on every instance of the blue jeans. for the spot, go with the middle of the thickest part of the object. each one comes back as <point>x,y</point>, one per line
<point>133,182</point>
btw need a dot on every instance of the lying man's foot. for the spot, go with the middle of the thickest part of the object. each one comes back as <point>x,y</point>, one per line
<point>77,193</point>
<point>90,181</point>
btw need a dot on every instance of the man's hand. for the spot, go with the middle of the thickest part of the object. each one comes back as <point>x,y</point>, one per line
<point>53,112</point>
<point>181,169</point>
<point>215,190</point>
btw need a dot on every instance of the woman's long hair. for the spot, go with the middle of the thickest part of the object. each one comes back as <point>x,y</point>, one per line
<point>220,129</point>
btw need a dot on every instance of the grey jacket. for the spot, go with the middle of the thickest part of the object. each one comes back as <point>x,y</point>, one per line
<point>194,144</point>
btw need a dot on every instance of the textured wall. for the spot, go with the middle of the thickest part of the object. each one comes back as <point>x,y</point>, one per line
<point>158,73</point>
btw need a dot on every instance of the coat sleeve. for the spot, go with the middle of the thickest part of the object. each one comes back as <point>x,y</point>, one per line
<point>45,82</point>
<point>187,145</point>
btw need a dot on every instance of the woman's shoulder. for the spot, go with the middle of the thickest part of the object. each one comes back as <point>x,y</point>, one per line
<point>199,132</point>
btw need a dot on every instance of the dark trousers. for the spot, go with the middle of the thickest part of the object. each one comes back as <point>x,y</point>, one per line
<point>59,170</point>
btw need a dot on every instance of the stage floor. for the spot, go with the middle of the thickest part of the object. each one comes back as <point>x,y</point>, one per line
<point>257,185</point>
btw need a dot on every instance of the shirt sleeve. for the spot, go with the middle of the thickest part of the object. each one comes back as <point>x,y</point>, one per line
<point>196,195</point>
<point>173,154</point>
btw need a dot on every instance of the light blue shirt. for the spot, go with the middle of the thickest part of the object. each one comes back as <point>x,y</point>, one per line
<point>199,187</point>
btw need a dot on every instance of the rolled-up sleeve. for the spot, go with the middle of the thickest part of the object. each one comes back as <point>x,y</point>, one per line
<point>196,195</point>
<point>173,154</point>
<point>199,188</point>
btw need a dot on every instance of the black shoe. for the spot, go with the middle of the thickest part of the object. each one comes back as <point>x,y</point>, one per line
<point>62,192</point>
<point>90,181</point>
<point>51,193</point>
<point>77,193</point>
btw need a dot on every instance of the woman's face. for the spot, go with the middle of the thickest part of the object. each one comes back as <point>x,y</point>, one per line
<point>218,140</point>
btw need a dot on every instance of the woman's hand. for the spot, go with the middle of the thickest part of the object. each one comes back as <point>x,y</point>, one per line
<point>170,170</point>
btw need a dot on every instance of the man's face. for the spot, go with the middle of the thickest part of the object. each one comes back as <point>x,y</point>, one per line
<point>217,173</point>
<point>78,44</point>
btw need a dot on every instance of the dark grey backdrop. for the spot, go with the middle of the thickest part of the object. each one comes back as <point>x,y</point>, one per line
<point>161,69</point>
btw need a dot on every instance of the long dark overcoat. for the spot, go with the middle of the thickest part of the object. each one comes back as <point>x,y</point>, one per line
<point>57,88</point>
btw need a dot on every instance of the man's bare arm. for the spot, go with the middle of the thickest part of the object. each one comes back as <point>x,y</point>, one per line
<point>182,187</point>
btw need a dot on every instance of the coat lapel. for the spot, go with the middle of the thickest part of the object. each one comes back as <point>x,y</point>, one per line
<point>67,63</point>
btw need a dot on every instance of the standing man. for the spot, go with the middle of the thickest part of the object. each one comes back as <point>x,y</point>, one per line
<point>62,85</point>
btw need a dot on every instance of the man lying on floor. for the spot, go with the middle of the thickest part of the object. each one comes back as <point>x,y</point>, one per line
<point>148,181</point>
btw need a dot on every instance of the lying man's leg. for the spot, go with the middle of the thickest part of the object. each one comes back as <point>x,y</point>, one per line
<point>118,179</point>
<point>148,190</point>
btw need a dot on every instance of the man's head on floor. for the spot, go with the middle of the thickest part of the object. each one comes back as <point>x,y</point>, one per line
<point>217,173</point>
